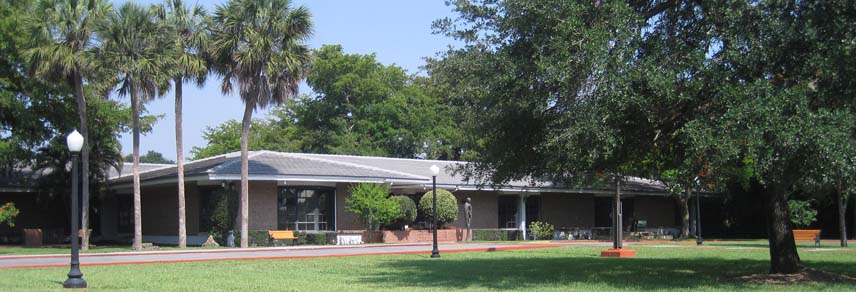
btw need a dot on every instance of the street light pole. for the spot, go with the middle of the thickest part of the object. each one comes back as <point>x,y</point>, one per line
<point>75,277</point>
<point>435,252</point>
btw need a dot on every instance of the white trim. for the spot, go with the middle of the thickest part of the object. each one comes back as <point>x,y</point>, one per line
<point>17,190</point>
<point>159,181</point>
<point>533,190</point>
<point>286,178</point>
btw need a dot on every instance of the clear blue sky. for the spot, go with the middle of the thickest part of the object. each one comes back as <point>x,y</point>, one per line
<point>398,32</point>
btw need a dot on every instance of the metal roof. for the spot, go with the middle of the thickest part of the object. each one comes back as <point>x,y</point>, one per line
<point>282,166</point>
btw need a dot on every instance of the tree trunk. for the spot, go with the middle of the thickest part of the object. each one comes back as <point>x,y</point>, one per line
<point>842,218</point>
<point>138,225</point>
<point>854,219</point>
<point>245,171</point>
<point>179,160</point>
<point>84,157</point>
<point>783,250</point>
<point>683,206</point>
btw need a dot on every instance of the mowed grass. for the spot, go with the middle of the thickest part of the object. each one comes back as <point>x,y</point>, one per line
<point>576,268</point>
<point>18,250</point>
<point>759,243</point>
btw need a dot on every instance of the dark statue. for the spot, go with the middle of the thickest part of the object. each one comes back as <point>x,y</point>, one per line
<point>468,215</point>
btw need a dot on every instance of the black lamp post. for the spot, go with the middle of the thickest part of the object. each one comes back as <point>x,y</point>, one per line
<point>435,253</point>
<point>699,240</point>
<point>75,277</point>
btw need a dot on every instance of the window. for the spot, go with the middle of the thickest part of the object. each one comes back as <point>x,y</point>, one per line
<point>306,208</point>
<point>507,207</point>
<point>125,222</point>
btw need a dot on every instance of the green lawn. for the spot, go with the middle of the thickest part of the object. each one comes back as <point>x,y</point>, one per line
<point>759,243</point>
<point>17,250</point>
<point>553,269</point>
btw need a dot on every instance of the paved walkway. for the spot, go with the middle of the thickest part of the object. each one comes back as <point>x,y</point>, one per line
<point>122,258</point>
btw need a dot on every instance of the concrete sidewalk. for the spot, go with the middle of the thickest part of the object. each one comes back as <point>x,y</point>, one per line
<point>124,258</point>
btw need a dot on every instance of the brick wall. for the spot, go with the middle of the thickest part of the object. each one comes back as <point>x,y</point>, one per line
<point>263,205</point>
<point>159,207</point>
<point>567,210</point>
<point>416,236</point>
<point>345,220</point>
<point>484,209</point>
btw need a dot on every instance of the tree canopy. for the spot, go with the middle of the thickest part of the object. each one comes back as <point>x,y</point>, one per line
<point>755,92</point>
<point>358,106</point>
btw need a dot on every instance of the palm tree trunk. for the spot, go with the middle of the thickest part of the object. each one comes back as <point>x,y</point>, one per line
<point>842,218</point>
<point>138,226</point>
<point>179,159</point>
<point>84,157</point>
<point>683,205</point>
<point>784,258</point>
<point>245,171</point>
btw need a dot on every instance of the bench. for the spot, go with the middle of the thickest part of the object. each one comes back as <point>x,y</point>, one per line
<point>808,235</point>
<point>281,235</point>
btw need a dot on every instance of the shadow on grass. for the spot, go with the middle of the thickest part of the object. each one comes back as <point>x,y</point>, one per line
<point>509,271</point>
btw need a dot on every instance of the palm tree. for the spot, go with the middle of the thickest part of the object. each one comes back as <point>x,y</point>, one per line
<point>132,47</point>
<point>186,28</point>
<point>68,25</point>
<point>260,45</point>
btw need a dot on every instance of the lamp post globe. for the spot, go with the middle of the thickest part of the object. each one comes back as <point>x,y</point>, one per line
<point>75,277</point>
<point>74,142</point>
<point>435,252</point>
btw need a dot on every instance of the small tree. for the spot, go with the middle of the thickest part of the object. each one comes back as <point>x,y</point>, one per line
<point>8,212</point>
<point>371,203</point>
<point>447,207</point>
<point>802,214</point>
<point>406,211</point>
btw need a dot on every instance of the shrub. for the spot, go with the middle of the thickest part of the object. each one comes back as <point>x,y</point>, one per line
<point>371,203</point>
<point>447,207</point>
<point>406,211</point>
<point>8,212</point>
<point>802,214</point>
<point>255,238</point>
<point>541,230</point>
<point>495,234</point>
<point>315,238</point>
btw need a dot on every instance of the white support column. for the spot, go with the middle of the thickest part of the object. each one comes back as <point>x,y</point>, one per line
<point>521,212</point>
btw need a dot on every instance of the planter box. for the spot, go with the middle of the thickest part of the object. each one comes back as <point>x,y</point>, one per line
<point>418,236</point>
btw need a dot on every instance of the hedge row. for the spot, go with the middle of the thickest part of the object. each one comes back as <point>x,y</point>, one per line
<point>496,234</point>
<point>261,238</point>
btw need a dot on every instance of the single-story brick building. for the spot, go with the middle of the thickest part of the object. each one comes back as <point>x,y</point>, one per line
<point>307,192</point>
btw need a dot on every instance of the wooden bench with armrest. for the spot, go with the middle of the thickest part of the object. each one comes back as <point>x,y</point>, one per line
<point>808,235</point>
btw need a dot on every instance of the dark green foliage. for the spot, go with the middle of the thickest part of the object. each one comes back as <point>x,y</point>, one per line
<point>391,114</point>
<point>802,213</point>
<point>447,207</point>
<point>257,238</point>
<point>218,213</point>
<point>541,230</point>
<point>496,234</point>
<point>150,157</point>
<point>406,211</point>
<point>751,92</point>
